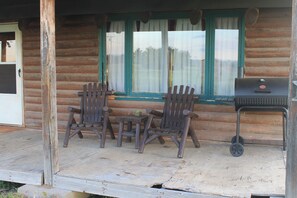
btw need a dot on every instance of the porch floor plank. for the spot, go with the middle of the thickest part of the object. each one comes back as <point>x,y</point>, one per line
<point>21,157</point>
<point>123,172</point>
<point>210,170</point>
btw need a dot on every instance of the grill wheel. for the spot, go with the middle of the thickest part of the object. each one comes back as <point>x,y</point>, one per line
<point>236,149</point>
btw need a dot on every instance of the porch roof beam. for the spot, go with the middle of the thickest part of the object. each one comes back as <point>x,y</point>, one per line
<point>30,9</point>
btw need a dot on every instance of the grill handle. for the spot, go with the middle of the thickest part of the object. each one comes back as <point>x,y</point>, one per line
<point>262,91</point>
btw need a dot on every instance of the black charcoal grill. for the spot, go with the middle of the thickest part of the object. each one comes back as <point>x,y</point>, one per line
<point>259,94</point>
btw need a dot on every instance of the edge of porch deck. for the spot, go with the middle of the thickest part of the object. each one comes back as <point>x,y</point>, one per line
<point>120,190</point>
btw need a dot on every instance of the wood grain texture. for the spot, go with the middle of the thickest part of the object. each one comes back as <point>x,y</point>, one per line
<point>268,44</point>
<point>291,173</point>
<point>48,90</point>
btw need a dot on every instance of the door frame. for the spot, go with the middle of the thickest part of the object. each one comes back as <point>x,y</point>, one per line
<point>13,27</point>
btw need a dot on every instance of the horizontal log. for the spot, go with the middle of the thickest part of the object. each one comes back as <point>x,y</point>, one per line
<point>29,123</point>
<point>267,43</point>
<point>64,69</point>
<point>280,22</point>
<point>32,100</point>
<point>135,104</point>
<point>267,71</point>
<point>70,101</point>
<point>82,69</point>
<point>78,78</point>
<point>267,52</point>
<point>33,107</point>
<point>28,84</point>
<point>272,13</point>
<point>251,128</point>
<point>78,51</point>
<point>268,32</point>
<point>245,118</point>
<point>85,60</point>
<point>269,61</point>
<point>32,69</point>
<point>35,36</point>
<point>32,92</point>
<point>70,77</point>
<point>64,44</point>
<point>214,108</point>
<point>250,138</point>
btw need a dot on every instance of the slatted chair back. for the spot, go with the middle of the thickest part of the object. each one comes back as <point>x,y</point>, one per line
<point>175,103</point>
<point>94,98</point>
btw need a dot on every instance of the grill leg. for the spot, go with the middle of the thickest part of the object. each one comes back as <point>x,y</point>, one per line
<point>238,125</point>
<point>284,129</point>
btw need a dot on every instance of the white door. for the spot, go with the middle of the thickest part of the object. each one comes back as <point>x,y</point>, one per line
<point>11,86</point>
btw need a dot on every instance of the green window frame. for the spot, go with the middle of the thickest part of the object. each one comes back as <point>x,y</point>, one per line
<point>209,16</point>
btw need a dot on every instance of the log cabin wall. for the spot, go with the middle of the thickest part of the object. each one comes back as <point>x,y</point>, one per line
<point>77,64</point>
<point>267,52</point>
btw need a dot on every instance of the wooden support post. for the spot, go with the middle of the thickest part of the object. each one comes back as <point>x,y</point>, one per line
<point>291,173</point>
<point>48,86</point>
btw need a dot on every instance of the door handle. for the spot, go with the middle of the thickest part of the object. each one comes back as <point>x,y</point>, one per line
<point>19,72</point>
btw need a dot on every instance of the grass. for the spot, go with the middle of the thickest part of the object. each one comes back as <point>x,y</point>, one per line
<point>9,190</point>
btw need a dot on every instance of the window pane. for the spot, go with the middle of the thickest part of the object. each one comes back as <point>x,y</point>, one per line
<point>187,55</point>
<point>150,57</point>
<point>7,47</point>
<point>226,55</point>
<point>115,56</point>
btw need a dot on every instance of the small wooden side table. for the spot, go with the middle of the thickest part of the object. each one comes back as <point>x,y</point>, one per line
<point>130,132</point>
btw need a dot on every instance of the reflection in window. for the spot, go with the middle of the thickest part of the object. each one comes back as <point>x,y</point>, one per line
<point>7,47</point>
<point>149,57</point>
<point>226,55</point>
<point>168,53</point>
<point>115,56</point>
<point>187,55</point>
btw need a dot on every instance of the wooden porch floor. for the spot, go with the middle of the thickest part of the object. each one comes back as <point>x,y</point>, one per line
<point>209,171</point>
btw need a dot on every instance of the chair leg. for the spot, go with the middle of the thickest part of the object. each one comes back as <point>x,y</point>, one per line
<point>67,134</point>
<point>109,126</point>
<point>80,135</point>
<point>184,137</point>
<point>103,136</point>
<point>145,134</point>
<point>174,139</point>
<point>194,137</point>
<point>141,147</point>
<point>160,138</point>
<point>129,128</point>
<point>120,135</point>
<point>71,121</point>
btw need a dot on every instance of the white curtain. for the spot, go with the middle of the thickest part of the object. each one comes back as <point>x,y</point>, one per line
<point>150,57</point>
<point>187,52</point>
<point>226,55</point>
<point>115,56</point>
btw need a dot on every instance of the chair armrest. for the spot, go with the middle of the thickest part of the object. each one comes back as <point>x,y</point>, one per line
<point>74,110</point>
<point>190,113</point>
<point>106,109</point>
<point>154,112</point>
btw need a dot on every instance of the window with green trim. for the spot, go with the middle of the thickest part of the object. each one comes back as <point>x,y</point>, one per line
<point>143,59</point>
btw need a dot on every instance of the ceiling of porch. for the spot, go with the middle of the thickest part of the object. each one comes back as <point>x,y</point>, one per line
<point>17,9</point>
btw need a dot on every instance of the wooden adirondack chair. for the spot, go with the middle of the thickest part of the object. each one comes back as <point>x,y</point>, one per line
<point>94,114</point>
<point>175,120</point>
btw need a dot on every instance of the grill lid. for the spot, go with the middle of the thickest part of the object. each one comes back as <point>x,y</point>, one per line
<point>261,92</point>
